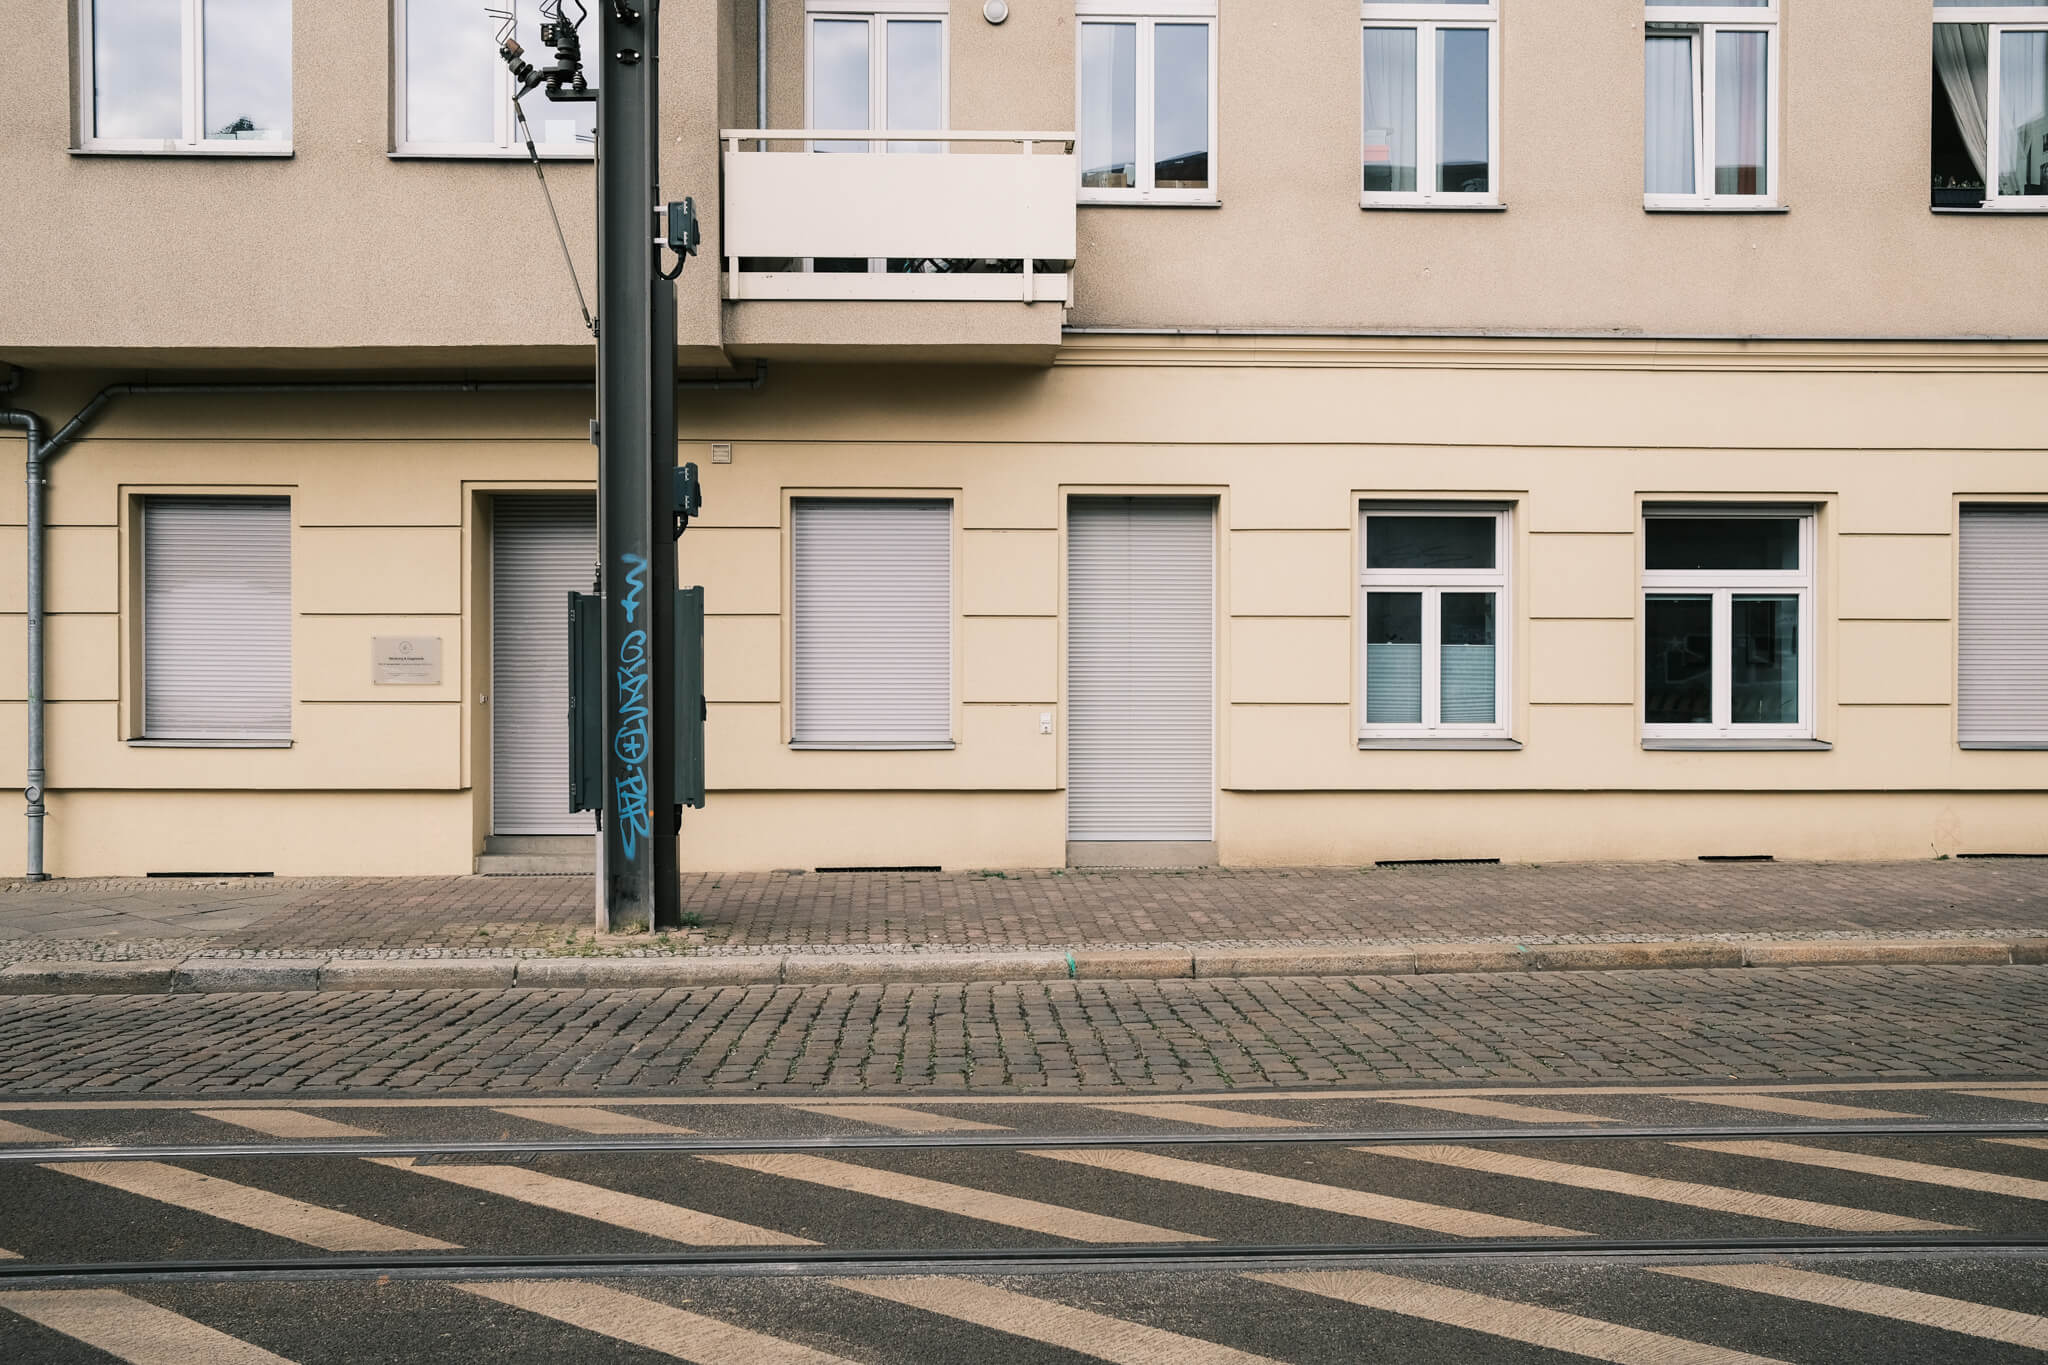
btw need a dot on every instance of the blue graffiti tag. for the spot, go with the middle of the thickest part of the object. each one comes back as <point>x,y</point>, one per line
<point>631,738</point>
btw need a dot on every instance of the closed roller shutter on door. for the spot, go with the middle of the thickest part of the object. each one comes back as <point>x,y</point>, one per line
<point>873,634</point>
<point>543,549</point>
<point>217,618</point>
<point>2003,689</point>
<point>1141,613</point>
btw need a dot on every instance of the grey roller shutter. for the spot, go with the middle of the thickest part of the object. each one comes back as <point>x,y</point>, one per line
<point>2003,690</point>
<point>1141,636</point>
<point>873,598</point>
<point>217,618</point>
<point>543,548</point>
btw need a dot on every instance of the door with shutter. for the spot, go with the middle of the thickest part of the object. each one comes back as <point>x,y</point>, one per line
<point>543,548</point>
<point>2002,650</point>
<point>1141,669</point>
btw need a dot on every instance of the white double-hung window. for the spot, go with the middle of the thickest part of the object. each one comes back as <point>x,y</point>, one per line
<point>1433,596</point>
<point>1727,624</point>
<point>453,94</point>
<point>1710,104</point>
<point>186,76</point>
<point>872,641</point>
<point>1991,104</point>
<point>1147,101</point>
<point>1432,103</point>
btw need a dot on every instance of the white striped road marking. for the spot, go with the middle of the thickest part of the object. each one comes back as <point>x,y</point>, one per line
<point>629,1318</point>
<point>132,1330</point>
<point>15,1132</point>
<point>2024,1096</point>
<point>1002,1209</point>
<point>1803,1109</point>
<point>1891,1168</point>
<point>1748,1203</point>
<point>597,1122</point>
<point>2038,1144</point>
<point>1500,1109</point>
<point>1880,1300</point>
<point>1054,1324</point>
<point>1206,1115</point>
<point>1523,1322</point>
<point>1307,1194</point>
<point>286,1123</point>
<point>277,1214</point>
<point>6,1255</point>
<point>671,1222</point>
<point>901,1119</point>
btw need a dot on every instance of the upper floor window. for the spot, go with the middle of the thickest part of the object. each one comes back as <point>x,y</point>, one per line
<point>1727,623</point>
<point>1147,101</point>
<point>186,76</point>
<point>877,67</point>
<point>1710,104</point>
<point>455,94</point>
<point>1433,593</point>
<point>1990,104</point>
<point>1432,102</point>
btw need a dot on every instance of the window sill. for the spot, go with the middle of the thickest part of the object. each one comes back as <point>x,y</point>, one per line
<point>507,154</point>
<point>2025,745</point>
<point>1991,211</point>
<point>1149,203</point>
<point>873,745</point>
<point>272,151</point>
<point>1424,206</point>
<point>1449,744</point>
<point>209,743</point>
<point>1710,744</point>
<point>1716,208</point>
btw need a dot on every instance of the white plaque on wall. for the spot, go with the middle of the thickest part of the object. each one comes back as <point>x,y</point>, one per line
<point>403,659</point>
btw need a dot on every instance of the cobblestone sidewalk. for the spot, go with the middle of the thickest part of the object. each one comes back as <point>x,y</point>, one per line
<point>1057,909</point>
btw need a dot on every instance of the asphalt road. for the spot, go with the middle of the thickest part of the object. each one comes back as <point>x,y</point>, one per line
<point>1809,1223</point>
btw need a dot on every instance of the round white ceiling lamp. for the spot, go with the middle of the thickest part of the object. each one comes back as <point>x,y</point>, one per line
<point>995,11</point>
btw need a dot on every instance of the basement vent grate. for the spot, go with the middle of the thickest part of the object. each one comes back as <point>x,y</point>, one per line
<point>177,876</point>
<point>933,868</point>
<point>2010,856</point>
<point>1438,862</point>
<point>1737,858</point>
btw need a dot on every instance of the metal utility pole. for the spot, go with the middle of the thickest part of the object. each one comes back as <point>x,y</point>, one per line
<point>636,458</point>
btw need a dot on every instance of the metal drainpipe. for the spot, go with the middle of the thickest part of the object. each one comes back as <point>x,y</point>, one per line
<point>42,452</point>
<point>761,71</point>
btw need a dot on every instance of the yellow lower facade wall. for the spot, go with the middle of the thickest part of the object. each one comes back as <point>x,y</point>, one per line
<point>304,834</point>
<point>1309,829</point>
<point>764,831</point>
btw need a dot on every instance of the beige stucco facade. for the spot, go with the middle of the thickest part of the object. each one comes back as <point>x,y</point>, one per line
<point>1571,359</point>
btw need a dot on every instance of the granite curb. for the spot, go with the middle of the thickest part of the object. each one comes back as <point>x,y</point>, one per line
<point>194,975</point>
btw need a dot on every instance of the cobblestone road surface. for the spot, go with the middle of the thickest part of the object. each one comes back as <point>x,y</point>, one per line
<point>1939,1022</point>
<point>1043,909</point>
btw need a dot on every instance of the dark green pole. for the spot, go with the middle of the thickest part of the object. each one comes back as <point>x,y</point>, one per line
<point>636,453</point>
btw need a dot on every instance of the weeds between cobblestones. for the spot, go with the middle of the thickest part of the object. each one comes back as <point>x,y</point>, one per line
<point>1143,1037</point>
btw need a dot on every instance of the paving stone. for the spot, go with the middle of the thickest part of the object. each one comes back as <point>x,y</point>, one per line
<point>248,974</point>
<point>412,974</point>
<point>87,978</point>
<point>1828,952</point>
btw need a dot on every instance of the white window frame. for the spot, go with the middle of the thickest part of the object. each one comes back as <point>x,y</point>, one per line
<point>1999,20</point>
<point>192,140</point>
<point>1433,584</point>
<point>1723,585</point>
<point>1427,20</point>
<point>506,140</point>
<point>1147,18</point>
<point>1706,22</point>
<point>876,17</point>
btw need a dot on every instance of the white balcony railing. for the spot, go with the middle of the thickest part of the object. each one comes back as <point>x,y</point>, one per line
<point>982,224</point>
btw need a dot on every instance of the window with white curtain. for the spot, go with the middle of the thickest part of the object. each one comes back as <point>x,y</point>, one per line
<point>1727,623</point>
<point>1710,104</point>
<point>216,619</point>
<point>1147,101</point>
<point>1432,103</point>
<point>872,640</point>
<point>1433,611</point>
<point>186,76</point>
<point>454,93</point>
<point>1990,134</point>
